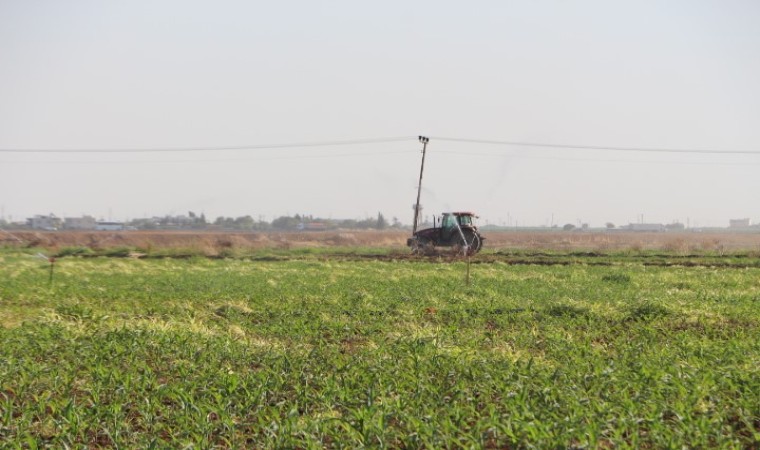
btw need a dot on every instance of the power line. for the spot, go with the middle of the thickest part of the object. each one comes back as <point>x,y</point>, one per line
<point>597,147</point>
<point>215,160</point>
<point>210,148</point>
<point>380,153</point>
<point>606,160</point>
<point>380,141</point>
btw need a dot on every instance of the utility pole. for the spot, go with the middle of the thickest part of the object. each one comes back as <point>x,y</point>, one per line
<point>424,141</point>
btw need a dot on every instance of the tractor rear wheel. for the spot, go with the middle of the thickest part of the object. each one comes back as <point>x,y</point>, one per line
<point>471,243</point>
<point>422,246</point>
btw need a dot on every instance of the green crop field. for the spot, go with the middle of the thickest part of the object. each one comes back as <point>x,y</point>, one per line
<point>311,351</point>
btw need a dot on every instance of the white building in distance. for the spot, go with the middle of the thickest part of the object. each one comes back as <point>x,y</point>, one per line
<point>738,223</point>
<point>48,223</point>
<point>79,223</point>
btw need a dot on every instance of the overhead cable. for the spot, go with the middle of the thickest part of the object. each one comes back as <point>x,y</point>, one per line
<point>214,160</point>
<point>380,141</point>
<point>597,147</point>
<point>209,148</point>
<point>596,160</point>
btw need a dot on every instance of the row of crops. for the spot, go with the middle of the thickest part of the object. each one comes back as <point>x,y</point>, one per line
<point>307,353</point>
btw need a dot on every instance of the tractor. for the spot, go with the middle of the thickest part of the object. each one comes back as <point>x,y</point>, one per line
<point>456,229</point>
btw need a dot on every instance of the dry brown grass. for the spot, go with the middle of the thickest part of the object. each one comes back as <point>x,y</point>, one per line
<point>210,243</point>
<point>214,243</point>
<point>677,242</point>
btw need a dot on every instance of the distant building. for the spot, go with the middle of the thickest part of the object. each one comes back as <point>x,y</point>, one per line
<point>738,223</point>
<point>312,226</point>
<point>109,226</point>
<point>49,222</point>
<point>645,227</point>
<point>79,223</point>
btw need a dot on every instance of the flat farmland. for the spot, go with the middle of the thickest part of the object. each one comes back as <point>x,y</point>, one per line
<point>316,350</point>
<point>212,243</point>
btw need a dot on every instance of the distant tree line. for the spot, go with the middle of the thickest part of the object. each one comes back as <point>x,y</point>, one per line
<point>296,222</point>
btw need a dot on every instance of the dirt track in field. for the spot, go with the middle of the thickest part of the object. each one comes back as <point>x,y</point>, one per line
<point>217,242</point>
<point>561,259</point>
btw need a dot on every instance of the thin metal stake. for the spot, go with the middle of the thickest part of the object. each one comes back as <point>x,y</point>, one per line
<point>52,264</point>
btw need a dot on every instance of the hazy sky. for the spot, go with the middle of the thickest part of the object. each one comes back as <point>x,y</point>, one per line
<point>175,74</point>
